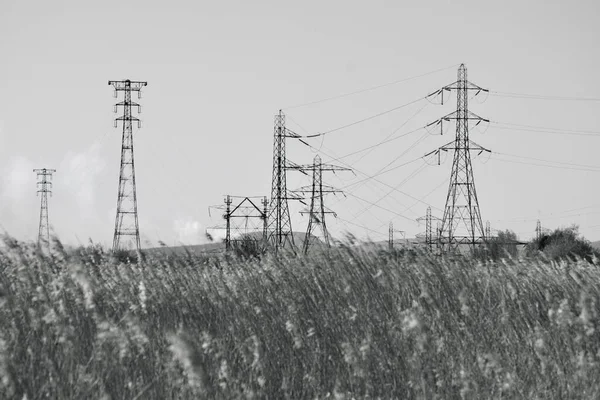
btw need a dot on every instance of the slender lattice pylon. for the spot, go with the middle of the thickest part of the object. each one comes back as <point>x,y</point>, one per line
<point>430,240</point>
<point>461,223</point>
<point>279,223</point>
<point>126,221</point>
<point>391,236</point>
<point>44,186</point>
<point>316,212</point>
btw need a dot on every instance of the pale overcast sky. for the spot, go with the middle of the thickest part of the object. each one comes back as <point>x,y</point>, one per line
<point>217,73</point>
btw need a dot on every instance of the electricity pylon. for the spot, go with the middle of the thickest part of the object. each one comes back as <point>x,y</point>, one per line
<point>279,224</point>
<point>538,230</point>
<point>391,236</point>
<point>44,186</point>
<point>248,211</point>
<point>429,239</point>
<point>316,212</point>
<point>461,222</point>
<point>126,221</point>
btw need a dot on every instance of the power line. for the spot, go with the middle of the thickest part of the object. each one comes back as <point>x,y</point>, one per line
<point>544,165</point>
<point>533,218</point>
<point>360,226</point>
<point>412,175</point>
<point>380,207</point>
<point>364,119</point>
<point>589,167</point>
<point>532,128</point>
<point>368,89</point>
<point>394,131</point>
<point>541,97</point>
<point>369,147</point>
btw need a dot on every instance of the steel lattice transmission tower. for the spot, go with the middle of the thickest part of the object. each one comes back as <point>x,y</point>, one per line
<point>279,224</point>
<point>126,221</point>
<point>461,222</point>
<point>317,210</point>
<point>429,238</point>
<point>44,186</point>
<point>391,231</point>
<point>538,230</point>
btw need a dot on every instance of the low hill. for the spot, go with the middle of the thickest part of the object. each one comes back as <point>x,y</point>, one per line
<point>215,247</point>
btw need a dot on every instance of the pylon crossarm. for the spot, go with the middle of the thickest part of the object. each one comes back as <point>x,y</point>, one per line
<point>475,146</point>
<point>473,116</point>
<point>127,85</point>
<point>457,85</point>
<point>246,199</point>
<point>288,133</point>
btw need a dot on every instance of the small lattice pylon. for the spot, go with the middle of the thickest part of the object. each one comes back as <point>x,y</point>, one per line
<point>44,187</point>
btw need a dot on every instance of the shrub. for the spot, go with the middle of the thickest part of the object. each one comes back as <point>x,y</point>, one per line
<point>562,243</point>
<point>504,244</point>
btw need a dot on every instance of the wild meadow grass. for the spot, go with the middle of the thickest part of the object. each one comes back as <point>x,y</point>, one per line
<point>341,324</point>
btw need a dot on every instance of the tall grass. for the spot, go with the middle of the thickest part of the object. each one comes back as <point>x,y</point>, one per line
<point>340,324</point>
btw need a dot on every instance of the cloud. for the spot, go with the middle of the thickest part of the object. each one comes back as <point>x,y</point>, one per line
<point>18,180</point>
<point>189,231</point>
<point>19,208</point>
<point>78,174</point>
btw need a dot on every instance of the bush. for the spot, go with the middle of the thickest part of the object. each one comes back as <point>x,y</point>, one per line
<point>503,245</point>
<point>248,247</point>
<point>562,243</point>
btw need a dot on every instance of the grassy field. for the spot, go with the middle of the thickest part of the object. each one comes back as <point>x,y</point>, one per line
<point>344,324</point>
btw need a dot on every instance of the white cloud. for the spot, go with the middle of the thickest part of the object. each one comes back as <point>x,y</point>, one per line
<point>18,201</point>
<point>189,231</point>
<point>78,174</point>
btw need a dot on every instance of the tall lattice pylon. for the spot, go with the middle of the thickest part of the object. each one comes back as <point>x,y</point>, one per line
<point>126,221</point>
<point>461,223</point>
<point>44,186</point>
<point>317,211</point>
<point>279,223</point>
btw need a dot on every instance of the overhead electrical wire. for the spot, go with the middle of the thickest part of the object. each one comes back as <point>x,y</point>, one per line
<point>368,89</point>
<point>380,207</point>
<point>539,215</point>
<point>345,221</point>
<point>412,175</point>
<point>374,179</point>
<point>532,128</point>
<point>543,165</point>
<point>560,163</point>
<point>372,146</point>
<point>541,97</point>
<point>394,131</point>
<point>364,119</point>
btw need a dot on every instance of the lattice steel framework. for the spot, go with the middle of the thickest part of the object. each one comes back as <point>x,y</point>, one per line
<point>391,231</point>
<point>44,186</point>
<point>317,210</point>
<point>461,222</point>
<point>430,239</point>
<point>246,210</point>
<point>279,223</point>
<point>126,221</point>
<point>252,220</point>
